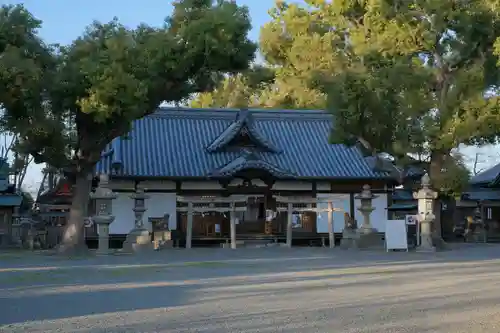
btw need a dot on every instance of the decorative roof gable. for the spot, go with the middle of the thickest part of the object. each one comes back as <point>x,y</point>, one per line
<point>246,161</point>
<point>242,127</point>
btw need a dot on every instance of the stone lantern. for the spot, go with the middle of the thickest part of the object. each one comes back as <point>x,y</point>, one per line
<point>425,197</point>
<point>139,237</point>
<point>367,236</point>
<point>103,197</point>
<point>366,208</point>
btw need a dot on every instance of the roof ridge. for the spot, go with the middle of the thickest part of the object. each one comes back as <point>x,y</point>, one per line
<point>229,113</point>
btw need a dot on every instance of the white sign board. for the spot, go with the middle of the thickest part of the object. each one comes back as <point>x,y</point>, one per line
<point>396,237</point>
<point>411,219</point>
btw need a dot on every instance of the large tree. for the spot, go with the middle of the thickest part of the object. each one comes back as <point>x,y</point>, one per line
<point>68,103</point>
<point>418,76</point>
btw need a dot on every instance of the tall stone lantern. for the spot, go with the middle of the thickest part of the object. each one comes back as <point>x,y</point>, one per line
<point>103,197</point>
<point>139,237</point>
<point>366,208</point>
<point>425,197</point>
<point>367,235</point>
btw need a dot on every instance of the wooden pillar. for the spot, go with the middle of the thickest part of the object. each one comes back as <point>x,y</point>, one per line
<point>189,227</point>
<point>289,225</point>
<point>331,234</point>
<point>232,218</point>
<point>483,220</point>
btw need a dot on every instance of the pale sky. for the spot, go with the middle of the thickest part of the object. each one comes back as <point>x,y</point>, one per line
<point>64,20</point>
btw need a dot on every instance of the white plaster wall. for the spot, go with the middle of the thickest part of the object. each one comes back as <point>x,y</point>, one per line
<point>157,206</point>
<point>340,200</point>
<point>124,216</point>
<point>379,216</point>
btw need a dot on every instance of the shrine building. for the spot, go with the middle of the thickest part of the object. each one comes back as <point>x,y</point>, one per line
<point>199,166</point>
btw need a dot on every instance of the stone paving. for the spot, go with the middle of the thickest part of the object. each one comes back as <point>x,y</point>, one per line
<point>254,290</point>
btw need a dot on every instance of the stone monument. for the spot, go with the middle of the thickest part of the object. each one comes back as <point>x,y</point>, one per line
<point>162,236</point>
<point>138,238</point>
<point>425,197</point>
<point>476,229</point>
<point>368,236</point>
<point>349,234</point>
<point>103,197</point>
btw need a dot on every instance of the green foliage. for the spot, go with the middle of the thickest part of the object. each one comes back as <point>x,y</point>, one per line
<point>415,75</point>
<point>294,53</point>
<point>237,91</point>
<point>455,176</point>
<point>67,103</point>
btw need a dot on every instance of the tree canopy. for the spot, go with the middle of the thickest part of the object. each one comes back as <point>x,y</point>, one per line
<point>418,77</point>
<point>66,103</point>
<point>412,77</point>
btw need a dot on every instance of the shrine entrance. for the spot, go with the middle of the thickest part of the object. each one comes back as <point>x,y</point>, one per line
<point>231,218</point>
<point>210,217</point>
<point>301,216</point>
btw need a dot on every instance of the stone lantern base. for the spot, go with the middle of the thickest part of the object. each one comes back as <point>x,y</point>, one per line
<point>349,239</point>
<point>369,240</point>
<point>439,243</point>
<point>138,239</point>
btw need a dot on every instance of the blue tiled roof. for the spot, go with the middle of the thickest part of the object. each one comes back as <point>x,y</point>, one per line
<point>398,206</point>
<point>487,176</point>
<point>481,194</point>
<point>10,200</point>
<point>402,195</point>
<point>249,160</point>
<point>244,121</point>
<point>173,142</point>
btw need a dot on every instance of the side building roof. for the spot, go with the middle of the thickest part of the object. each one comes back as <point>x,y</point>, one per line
<point>487,178</point>
<point>186,143</point>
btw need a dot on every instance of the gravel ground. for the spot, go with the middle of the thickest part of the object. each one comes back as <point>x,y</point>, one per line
<point>254,290</point>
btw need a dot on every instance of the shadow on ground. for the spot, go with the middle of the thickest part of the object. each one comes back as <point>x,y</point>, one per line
<point>242,291</point>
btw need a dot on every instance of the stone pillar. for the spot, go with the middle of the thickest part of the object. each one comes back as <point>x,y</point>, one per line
<point>425,197</point>
<point>289,222</point>
<point>138,238</point>
<point>103,197</point>
<point>331,234</point>
<point>232,221</point>
<point>189,225</point>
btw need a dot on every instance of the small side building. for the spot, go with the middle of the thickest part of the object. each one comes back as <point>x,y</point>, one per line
<point>482,200</point>
<point>10,201</point>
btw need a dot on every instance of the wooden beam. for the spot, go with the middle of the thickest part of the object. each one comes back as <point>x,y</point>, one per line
<point>331,235</point>
<point>304,200</point>
<point>213,199</point>
<point>232,222</point>
<point>289,222</point>
<point>212,209</point>
<point>189,231</point>
<point>315,210</point>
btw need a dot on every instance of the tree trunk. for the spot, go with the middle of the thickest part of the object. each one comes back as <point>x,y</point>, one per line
<point>436,165</point>
<point>73,240</point>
